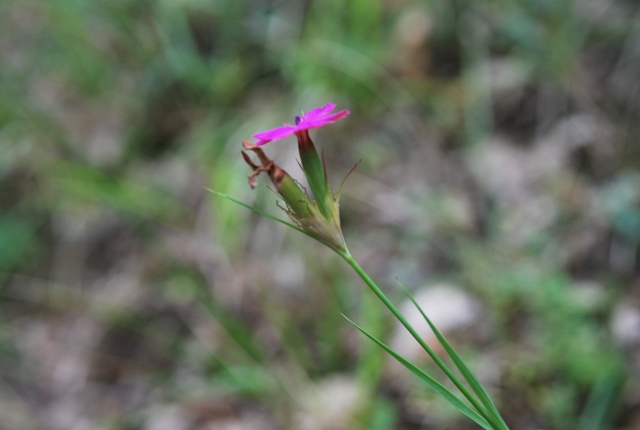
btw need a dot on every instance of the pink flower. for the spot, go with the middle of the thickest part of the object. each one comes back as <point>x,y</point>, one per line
<point>318,117</point>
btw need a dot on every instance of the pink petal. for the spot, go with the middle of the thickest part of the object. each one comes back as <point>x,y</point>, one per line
<point>277,133</point>
<point>317,117</point>
<point>324,120</point>
<point>319,112</point>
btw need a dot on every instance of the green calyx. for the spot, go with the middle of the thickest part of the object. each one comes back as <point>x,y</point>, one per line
<point>315,173</point>
<point>307,215</point>
<point>295,198</point>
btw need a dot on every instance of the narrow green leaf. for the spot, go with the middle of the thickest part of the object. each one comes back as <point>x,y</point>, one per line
<point>259,212</point>
<point>431,382</point>
<point>601,401</point>
<point>473,382</point>
<point>458,383</point>
<point>271,217</point>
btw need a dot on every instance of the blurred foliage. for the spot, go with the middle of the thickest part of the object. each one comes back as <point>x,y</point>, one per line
<point>499,151</point>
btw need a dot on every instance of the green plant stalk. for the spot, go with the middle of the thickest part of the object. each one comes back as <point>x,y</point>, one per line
<point>346,256</point>
<point>495,421</point>
<point>372,357</point>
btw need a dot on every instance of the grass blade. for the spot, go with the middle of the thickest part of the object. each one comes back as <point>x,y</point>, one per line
<point>458,383</point>
<point>600,402</point>
<point>435,385</point>
<point>473,382</point>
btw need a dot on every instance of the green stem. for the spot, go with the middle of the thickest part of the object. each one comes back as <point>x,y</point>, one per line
<point>378,292</point>
<point>371,359</point>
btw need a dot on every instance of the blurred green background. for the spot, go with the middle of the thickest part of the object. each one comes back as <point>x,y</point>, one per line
<point>499,179</point>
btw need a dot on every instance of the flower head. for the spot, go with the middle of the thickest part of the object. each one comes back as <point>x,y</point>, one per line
<point>318,117</point>
<point>319,216</point>
<point>302,210</point>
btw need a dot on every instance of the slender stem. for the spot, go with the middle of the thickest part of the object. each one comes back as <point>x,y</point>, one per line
<point>378,292</point>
